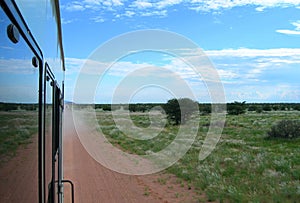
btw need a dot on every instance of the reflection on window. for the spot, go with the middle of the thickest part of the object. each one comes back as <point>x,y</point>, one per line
<point>18,120</point>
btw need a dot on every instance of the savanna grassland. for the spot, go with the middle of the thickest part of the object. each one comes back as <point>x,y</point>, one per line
<point>16,129</point>
<point>245,166</point>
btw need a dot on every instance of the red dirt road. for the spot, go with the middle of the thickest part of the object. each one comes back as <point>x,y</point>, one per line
<point>95,183</point>
<point>19,175</point>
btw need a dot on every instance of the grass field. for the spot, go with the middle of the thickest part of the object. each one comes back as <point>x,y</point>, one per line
<point>244,167</point>
<point>16,129</point>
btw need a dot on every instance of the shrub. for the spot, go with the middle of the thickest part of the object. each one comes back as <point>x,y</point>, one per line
<point>267,107</point>
<point>285,129</point>
<point>205,108</point>
<point>259,110</point>
<point>252,108</point>
<point>236,108</point>
<point>296,107</point>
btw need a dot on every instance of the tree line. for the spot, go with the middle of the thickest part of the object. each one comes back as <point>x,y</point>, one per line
<point>179,110</point>
<point>17,106</point>
<point>233,108</point>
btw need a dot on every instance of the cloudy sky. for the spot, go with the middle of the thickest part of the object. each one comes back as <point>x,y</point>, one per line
<point>254,45</point>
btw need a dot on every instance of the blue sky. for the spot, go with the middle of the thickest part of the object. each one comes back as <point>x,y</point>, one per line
<point>254,45</point>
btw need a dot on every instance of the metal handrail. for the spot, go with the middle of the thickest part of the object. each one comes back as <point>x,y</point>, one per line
<point>72,187</point>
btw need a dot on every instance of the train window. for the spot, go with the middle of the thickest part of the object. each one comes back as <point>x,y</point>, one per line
<point>19,82</point>
<point>42,22</point>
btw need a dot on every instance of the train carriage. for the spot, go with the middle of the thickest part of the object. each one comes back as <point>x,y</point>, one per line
<point>31,101</point>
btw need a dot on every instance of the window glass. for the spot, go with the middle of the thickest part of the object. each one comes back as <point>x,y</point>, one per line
<point>41,20</point>
<point>18,119</point>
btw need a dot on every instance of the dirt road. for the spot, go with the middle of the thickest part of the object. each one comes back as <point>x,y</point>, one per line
<point>18,176</point>
<point>95,183</point>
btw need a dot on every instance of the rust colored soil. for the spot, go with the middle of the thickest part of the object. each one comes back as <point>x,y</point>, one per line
<point>18,176</point>
<point>95,183</point>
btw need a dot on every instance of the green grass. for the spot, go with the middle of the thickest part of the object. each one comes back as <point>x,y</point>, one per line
<point>244,167</point>
<point>146,191</point>
<point>141,147</point>
<point>16,129</point>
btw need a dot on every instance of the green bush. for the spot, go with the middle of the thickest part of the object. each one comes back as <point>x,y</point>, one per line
<point>236,108</point>
<point>285,129</point>
<point>180,110</point>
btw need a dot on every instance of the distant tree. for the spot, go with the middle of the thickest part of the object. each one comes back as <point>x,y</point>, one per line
<point>172,109</point>
<point>28,107</point>
<point>275,107</point>
<point>282,107</point>
<point>8,106</point>
<point>236,108</point>
<point>296,107</point>
<point>205,108</point>
<point>132,107</point>
<point>106,107</point>
<point>141,107</point>
<point>180,110</point>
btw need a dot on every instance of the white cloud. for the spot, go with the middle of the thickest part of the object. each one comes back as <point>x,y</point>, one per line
<point>245,73</point>
<point>117,2</point>
<point>92,2</point>
<point>296,24</point>
<point>244,52</point>
<point>250,66</point>
<point>133,73</point>
<point>167,3</point>
<point>98,19</point>
<point>103,2</point>
<point>75,65</point>
<point>160,8</point>
<point>210,5</point>
<point>142,4</point>
<point>17,66</point>
<point>65,22</point>
<point>260,9</point>
<point>289,32</point>
<point>233,66</point>
<point>129,13</point>
<point>227,74</point>
<point>263,93</point>
<point>74,7</point>
<point>88,66</point>
<point>92,5</point>
<point>161,13</point>
<point>296,31</point>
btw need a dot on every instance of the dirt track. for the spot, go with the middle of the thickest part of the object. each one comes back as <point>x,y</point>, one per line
<point>18,176</point>
<point>95,183</point>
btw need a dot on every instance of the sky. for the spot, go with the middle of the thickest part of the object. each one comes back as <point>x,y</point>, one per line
<point>253,45</point>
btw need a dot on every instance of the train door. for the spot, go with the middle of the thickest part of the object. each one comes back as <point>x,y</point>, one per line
<point>53,138</point>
